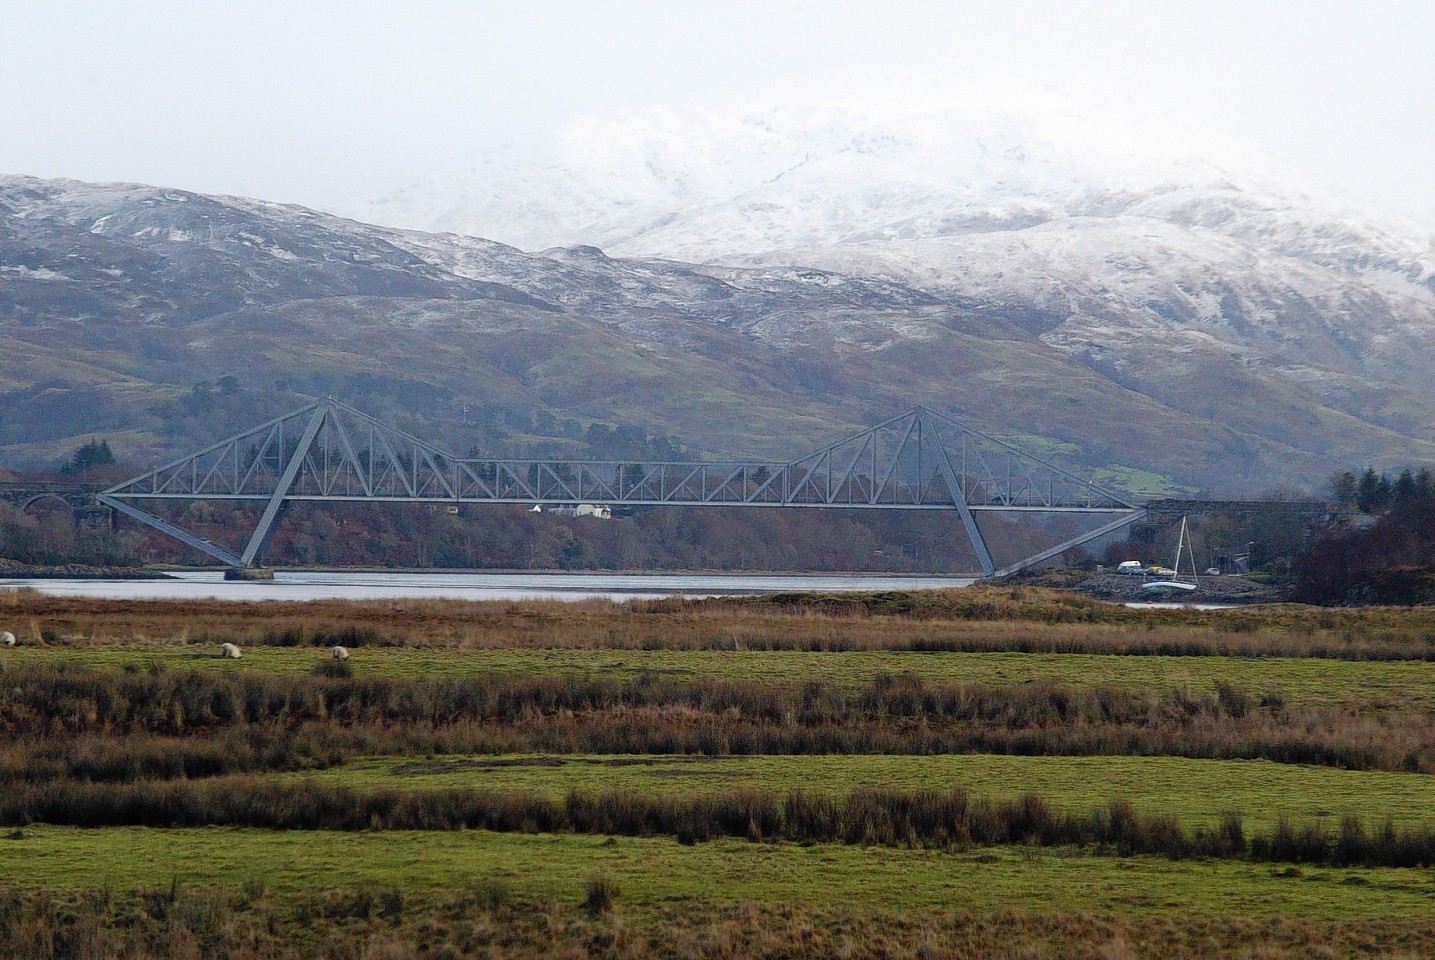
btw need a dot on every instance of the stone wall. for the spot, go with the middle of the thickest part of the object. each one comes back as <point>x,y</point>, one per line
<point>1302,515</point>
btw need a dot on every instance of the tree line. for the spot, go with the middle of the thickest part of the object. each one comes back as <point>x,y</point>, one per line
<point>1379,493</point>
<point>1386,554</point>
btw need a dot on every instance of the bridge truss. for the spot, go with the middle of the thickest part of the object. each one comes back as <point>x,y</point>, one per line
<point>330,452</point>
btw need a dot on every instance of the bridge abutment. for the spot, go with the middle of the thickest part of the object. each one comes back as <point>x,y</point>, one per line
<point>249,573</point>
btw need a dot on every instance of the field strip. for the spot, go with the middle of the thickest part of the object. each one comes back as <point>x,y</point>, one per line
<point>1196,792</point>
<point>654,873</point>
<point>1369,685</point>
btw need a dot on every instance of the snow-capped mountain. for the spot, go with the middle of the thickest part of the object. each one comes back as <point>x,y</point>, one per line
<point>1179,268</point>
<point>162,318</point>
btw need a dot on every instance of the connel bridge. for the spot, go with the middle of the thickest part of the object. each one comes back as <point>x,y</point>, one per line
<point>329,452</point>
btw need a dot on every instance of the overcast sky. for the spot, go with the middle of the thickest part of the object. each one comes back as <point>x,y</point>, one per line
<point>318,103</point>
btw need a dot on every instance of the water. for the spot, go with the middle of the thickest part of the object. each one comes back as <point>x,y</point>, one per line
<point>1159,605</point>
<point>302,585</point>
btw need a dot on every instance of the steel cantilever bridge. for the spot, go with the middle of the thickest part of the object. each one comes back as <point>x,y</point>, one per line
<point>328,452</point>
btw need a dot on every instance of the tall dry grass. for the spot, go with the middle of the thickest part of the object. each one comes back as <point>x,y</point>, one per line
<point>163,921</point>
<point>931,818</point>
<point>978,619</point>
<point>122,726</point>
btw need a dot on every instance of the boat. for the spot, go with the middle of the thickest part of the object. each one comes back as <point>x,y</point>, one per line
<point>1173,583</point>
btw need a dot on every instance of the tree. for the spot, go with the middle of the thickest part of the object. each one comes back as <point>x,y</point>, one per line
<point>1373,491</point>
<point>1404,490</point>
<point>1384,493</point>
<point>1345,486</point>
<point>96,453</point>
<point>1424,484</point>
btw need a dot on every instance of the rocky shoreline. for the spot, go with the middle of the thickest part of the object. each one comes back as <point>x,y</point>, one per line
<point>1127,589</point>
<point>14,570</point>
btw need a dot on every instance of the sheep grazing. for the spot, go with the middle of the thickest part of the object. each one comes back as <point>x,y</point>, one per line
<point>339,653</point>
<point>7,639</point>
<point>229,651</point>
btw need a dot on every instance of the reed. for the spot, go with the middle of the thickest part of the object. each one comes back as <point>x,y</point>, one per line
<point>345,921</point>
<point>979,619</point>
<point>943,819</point>
<point>123,726</point>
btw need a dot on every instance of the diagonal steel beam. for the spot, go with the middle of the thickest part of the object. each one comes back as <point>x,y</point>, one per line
<point>396,463</point>
<point>276,500</point>
<point>959,497</point>
<point>438,472</point>
<point>122,487</point>
<point>256,465</point>
<point>484,487</point>
<point>1067,474</point>
<point>351,456</point>
<point>894,461</point>
<point>846,478</point>
<point>1101,531</point>
<point>775,472</point>
<point>169,529</point>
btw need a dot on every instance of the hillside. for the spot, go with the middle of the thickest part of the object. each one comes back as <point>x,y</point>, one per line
<point>1165,264</point>
<point>161,319</point>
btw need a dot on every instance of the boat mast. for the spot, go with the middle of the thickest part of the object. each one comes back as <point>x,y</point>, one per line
<point>1182,542</point>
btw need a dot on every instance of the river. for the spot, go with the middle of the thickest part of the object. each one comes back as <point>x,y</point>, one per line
<point>313,585</point>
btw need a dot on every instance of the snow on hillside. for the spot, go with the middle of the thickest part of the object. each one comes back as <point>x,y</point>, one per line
<point>1136,237</point>
<point>817,174</point>
<point>699,183</point>
<point>1145,340</point>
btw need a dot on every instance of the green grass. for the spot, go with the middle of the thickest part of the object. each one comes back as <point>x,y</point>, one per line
<point>654,873</point>
<point>1197,792</point>
<point>1366,684</point>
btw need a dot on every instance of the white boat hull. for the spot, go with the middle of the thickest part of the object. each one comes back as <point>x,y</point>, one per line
<point>1160,586</point>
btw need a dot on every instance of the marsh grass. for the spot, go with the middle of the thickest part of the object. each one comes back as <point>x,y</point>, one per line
<point>929,818</point>
<point>1366,686</point>
<point>1175,786</point>
<point>205,923</point>
<point>106,725</point>
<point>976,619</point>
<point>118,713</point>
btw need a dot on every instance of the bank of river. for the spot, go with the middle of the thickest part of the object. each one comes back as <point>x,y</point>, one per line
<point>329,585</point>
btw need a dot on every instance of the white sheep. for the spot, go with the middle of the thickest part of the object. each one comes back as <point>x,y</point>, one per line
<point>7,639</point>
<point>339,653</point>
<point>229,651</point>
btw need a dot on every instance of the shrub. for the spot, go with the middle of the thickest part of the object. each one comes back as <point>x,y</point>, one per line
<point>599,895</point>
<point>333,669</point>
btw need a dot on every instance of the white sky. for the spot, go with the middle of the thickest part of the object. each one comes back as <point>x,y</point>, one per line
<point>321,102</point>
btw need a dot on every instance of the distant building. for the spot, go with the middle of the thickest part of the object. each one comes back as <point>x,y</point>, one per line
<point>596,510</point>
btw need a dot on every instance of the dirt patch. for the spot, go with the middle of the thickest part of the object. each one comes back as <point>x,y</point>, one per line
<point>648,761</point>
<point>421,768</point>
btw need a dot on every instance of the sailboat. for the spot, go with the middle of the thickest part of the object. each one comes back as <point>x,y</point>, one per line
<point>1174,583</point>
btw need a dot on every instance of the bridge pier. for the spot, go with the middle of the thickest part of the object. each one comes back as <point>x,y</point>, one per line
<point>249,573</point>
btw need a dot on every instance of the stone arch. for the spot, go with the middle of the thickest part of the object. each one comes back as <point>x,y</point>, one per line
<point>26,504</point>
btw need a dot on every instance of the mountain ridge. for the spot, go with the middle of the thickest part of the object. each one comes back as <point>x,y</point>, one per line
<point>1128,254</point>
<point>122,305</point>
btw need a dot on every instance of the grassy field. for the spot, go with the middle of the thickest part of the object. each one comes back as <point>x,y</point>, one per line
<point>1006,617</point>
<point>653,873</point>
<point>1196,792</point>
<point>105,698</point>
<point>1368,685</point>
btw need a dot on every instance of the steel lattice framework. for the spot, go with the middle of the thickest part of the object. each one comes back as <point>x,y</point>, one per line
<point>330,452</point>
